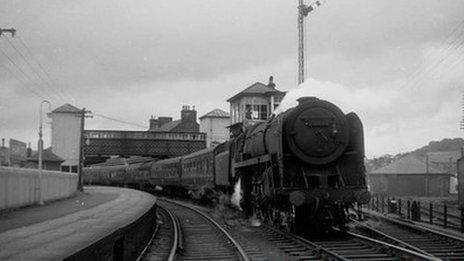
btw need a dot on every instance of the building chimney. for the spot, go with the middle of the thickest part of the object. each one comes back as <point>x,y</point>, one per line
<point>153,123</point>
<point>271,82</point>
<point>188,115</point>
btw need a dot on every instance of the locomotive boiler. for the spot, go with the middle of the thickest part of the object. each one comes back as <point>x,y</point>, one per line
<point>303,168</point>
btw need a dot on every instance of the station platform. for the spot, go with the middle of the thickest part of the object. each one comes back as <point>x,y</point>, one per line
<point>60,229</point>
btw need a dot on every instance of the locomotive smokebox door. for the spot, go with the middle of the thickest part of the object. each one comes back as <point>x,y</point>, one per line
<point>317,131</point>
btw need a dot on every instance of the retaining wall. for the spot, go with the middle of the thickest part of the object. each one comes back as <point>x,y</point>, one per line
<point>20,186</point>
<point>125,243</point>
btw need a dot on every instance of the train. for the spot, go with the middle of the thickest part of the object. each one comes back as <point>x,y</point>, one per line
<point>302,170</point>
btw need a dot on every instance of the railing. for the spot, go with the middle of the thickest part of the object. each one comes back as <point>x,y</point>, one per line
<point>103,134</point>
<point>440,214</point>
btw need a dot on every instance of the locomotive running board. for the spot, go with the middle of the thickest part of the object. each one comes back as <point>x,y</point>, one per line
<point>252,161</point>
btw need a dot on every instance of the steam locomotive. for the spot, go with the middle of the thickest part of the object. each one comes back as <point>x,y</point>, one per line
<point>301,170</point>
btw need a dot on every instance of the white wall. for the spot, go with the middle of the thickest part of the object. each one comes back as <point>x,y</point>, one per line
<point>215,129</point>
<point>66,133</point>
<point>19,186</point>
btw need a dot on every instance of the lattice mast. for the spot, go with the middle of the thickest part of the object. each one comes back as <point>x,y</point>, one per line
<point>462,113</point>
<point>303,11</point>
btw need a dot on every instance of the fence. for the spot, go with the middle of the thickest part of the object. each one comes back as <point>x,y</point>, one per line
<point>20,186</point>
<point>441,214</point>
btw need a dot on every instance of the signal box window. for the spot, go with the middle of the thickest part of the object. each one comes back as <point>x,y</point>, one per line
<point>258,111</point>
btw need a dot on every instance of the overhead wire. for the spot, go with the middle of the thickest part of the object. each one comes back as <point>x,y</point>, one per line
<point>118,120</point>
<point>453,43</point>
<point>42,96</point>
<point>25,85</point>
<point>38,76</point>
<point>30,53</point>
<point>431,70</point>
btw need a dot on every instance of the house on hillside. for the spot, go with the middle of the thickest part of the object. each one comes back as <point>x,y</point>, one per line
<point>186,123</point>
<point>411,176</point>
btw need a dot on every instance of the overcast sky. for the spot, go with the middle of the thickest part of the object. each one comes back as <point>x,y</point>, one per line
<point>398,64</point>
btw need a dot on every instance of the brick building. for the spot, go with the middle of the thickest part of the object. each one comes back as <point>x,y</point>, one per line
<point>186,123</point>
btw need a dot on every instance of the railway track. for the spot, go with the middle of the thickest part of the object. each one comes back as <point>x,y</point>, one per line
<point>341,247</point>
<point>195,236</point>
<point>188,233</point>
<point>434,244</point>
<point>165,241</point>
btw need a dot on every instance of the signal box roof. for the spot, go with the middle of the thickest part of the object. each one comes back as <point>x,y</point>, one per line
<point>66,108</point>
<point>256,88</point>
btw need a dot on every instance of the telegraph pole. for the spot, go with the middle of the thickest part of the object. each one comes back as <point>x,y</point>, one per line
<point>303,11</point>
<point>80,166</point>
<point>40,148</point>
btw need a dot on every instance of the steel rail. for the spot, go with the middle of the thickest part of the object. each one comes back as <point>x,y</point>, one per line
<point>243,254</point>
<point>398,248</point>
<point>396,240</point>
<point>364,238</point>
<point>416,236</point>
<point>149,243</point>
<point>423,228</point>
<point>176,238</point>
<point>307,242</point>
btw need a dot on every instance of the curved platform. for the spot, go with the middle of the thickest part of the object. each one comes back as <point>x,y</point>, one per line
<point>66,228</point>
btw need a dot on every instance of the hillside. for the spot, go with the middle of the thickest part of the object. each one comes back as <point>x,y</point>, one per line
<point>455,144</point>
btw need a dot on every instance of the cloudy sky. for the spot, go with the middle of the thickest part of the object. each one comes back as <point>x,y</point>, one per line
<point>398,64</point>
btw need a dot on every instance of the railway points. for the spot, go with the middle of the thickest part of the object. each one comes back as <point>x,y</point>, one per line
<point>431,242</point>
<point>60,230</point>
<point>256,239</point>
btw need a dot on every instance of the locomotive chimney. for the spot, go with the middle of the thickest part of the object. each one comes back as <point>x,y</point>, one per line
<point>303,100</point>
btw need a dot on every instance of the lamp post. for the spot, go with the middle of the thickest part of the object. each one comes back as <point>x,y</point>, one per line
<point>40,148</point>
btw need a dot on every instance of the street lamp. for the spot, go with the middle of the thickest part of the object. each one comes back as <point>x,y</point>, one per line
<point>40,148</point>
